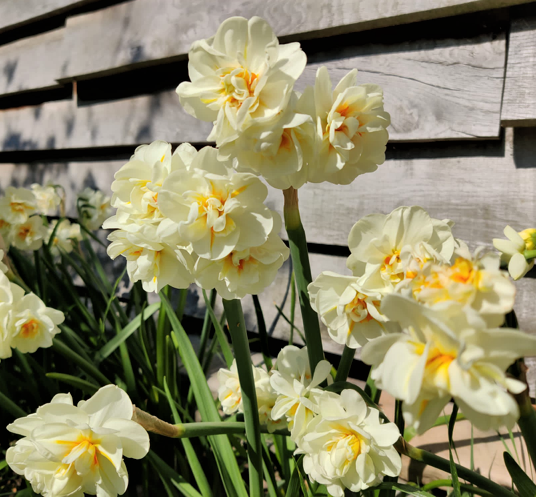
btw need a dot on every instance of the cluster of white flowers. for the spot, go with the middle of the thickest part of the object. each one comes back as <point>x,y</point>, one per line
<point>187,216</point>
<point>26,323</point>
<point>93,208</point>
<point>428,313</point>
<point>345,443</point>
<point>69,450</point>
<point>242,79</point>
<point>21,220</point>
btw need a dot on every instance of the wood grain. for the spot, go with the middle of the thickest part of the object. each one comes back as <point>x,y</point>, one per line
<point>61,124</point>
<point>145,31</point>
<point>433,89</point>
<point>519,100</point>
<point>31,63</point>
<point>14,14</point>
<point>430,90</point>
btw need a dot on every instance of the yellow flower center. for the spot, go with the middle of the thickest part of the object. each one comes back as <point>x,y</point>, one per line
<point>20,207</point>
<point>437,364</point>
<point>238,84</point>
<point>85,447</point>
<point>391,268</point>
<point>30,328</point>
<point>529,237</point>
<point>24,231</point>
<point>357,309</point>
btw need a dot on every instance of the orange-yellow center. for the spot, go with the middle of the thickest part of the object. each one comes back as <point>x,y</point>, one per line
<point>30,328</point>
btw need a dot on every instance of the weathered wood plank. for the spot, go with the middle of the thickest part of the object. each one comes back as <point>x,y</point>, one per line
<point>431,89</point>
<point>519,100</point>
<point>147,30</point>
<point>482,186</point>
<point>31,63</point>
<point>14,14</point>
<point>60,125</point>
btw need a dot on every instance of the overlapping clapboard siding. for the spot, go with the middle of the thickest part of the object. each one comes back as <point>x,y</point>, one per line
<point>450,79</point>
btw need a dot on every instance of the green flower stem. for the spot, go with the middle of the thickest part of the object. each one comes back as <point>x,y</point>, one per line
<point>190,430</point>
<point>529,254</point>
<point>345,364</point>
<point>448,483</point>
<point>239,337</point>
<point>302,272</point>
<point>444,464</point>
<point>527,419</point>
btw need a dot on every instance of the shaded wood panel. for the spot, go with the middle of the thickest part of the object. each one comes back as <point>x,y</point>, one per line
<point>442,90</point>
<point>519,101</point>
<point>481,186</point>
<point>433,89</point>
<point>15,13</point>
<point>61,125</point>
<point>142,31</point>
<point>31,63</point>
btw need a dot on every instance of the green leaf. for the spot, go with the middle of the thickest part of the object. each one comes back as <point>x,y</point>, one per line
<point>195,465</point>
<point>8,405</point>
<point>84,385</point>
<point>167,473</point>
<point>86,366</point>
<point>523,483</point>
<point>261,328</point>
<point>405,489</point>
<point>222,339</point>
<point>3,464</point>
<point>223,452</point>
<point>456,492</point>
<point>126,332</point>
<point>294,482</point>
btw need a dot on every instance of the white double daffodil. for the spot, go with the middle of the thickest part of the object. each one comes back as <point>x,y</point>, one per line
<point>447,352</point>
<point>351,127</point>
<point>17,205</point>
<point>244,272</point>
<point>350,312</point>
<point>240,77</point>
<point>72,450</point>
<point>154,263</point>
<point>347,445</point>
<point>297,388</point>
<point>216,210</point>
<point>94,208</point>
<point>473,280</point>
<point>385,247</point>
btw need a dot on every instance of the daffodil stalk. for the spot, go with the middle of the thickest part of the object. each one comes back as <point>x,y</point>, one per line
<point>345,364</point>
<point>527,418</point>
<point>239,338</point>
<point>302,272</point>
<point>440,463</point>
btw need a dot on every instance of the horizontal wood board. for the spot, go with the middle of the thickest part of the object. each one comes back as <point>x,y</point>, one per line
<point>519,99</point>
<point>147,30</point>
<point>31,63</point>
<point>15,13</point>
<point>425,85</point>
